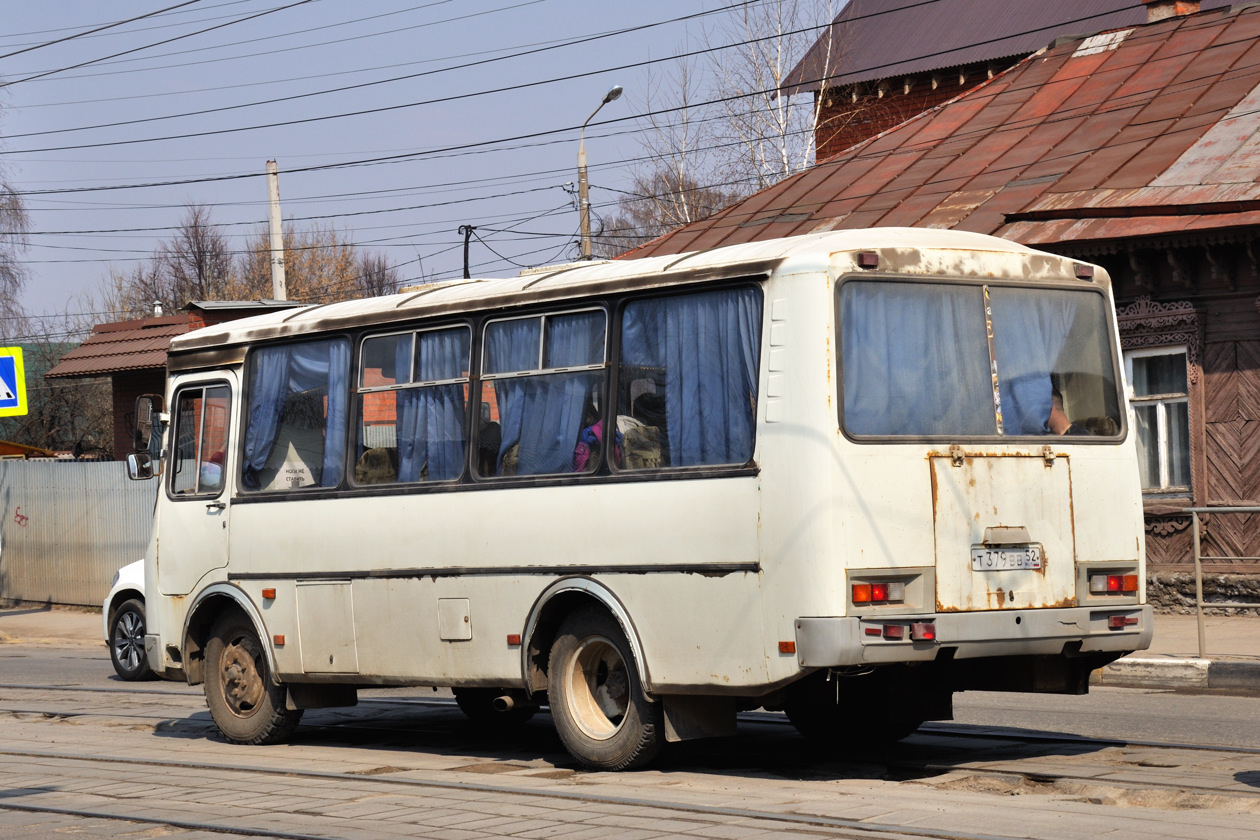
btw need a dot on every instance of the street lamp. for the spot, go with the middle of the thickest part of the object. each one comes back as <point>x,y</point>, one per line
<point>584,201</point>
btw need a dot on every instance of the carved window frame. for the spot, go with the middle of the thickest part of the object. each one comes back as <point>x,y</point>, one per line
<point>1147,324</point>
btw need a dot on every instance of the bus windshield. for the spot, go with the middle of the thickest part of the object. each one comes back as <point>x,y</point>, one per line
<point>937,359</point>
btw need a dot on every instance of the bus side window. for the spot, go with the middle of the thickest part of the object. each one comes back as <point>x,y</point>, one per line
<point>688,368</point>
<point>296,423</point>
<point>542,377</point>
<point>413,388</point>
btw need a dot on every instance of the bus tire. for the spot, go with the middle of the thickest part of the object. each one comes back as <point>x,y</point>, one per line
<point>246,704</point>
<point>477,704</point>
<point>862,721</point>
<point>598,705</point>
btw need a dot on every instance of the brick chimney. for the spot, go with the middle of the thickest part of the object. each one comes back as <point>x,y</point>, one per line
<point>1163,9</point>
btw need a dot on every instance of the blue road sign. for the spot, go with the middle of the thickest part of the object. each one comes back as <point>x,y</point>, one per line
<point>12,382</point>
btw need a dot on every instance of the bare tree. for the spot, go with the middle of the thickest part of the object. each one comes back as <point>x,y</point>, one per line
<point>765,136</point>
<point>14,224</point>
<point>65,415</point>
<point>196,263</point>
<point>662,200</point>
<point>377,275</point>
<point>321,264</point>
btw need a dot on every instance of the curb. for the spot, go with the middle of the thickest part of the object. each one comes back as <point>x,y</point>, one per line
<point>1201,674</point>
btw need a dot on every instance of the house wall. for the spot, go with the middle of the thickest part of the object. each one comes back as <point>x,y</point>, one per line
<point>127,386</point>
<point>1204,296</point>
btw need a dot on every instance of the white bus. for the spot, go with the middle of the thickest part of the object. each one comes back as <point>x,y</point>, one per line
<point>843,475</point>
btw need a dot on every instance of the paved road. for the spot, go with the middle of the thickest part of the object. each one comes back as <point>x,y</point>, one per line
<point>140,761</point>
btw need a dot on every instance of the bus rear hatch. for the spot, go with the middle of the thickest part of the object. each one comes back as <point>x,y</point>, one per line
<point>1003,527</point>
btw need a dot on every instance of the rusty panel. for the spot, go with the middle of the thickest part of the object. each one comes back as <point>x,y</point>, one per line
<point>1033,130</point>
<point>955,208</point>
<point>1122,146</point>
<point>1011,491</point>
<point>1225,139</point>
<point>911,211</point>
<point>1160,153</point>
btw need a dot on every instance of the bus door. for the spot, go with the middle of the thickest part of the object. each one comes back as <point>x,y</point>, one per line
<point>193,527</point>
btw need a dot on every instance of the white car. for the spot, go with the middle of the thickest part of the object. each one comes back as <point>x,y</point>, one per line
<point>123,615</point>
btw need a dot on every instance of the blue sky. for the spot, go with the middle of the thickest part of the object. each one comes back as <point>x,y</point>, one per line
<point>429,145</point>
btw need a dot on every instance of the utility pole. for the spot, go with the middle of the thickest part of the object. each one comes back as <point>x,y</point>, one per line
<point>466,231</point>
<point>584,201</point>
<point>277,233</point>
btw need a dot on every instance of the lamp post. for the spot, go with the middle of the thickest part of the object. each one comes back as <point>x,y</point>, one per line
<point>584,201</point>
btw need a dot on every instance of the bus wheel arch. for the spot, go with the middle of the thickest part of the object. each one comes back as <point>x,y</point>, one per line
<point>556,603</point>
<point>210,605</point>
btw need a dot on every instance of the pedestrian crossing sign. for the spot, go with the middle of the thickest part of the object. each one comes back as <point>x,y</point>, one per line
<point>12,382</point>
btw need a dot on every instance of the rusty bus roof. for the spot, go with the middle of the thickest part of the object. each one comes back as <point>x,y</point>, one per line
<point>1152,130</point>
<point>567,282</point>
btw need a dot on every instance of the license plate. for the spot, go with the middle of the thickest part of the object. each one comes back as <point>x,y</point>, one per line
<point>1005,557</point>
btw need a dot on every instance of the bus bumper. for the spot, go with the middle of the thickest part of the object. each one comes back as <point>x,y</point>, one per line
<point>829,642</point>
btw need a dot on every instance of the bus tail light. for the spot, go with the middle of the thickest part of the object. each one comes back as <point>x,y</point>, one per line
<point>1119,622</point>
<point>923,631</point>
<point>879,592</point>
<point>894,631</point>
<point>1110,584</point>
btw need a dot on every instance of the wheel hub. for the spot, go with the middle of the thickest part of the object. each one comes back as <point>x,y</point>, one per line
<point>242,683</point>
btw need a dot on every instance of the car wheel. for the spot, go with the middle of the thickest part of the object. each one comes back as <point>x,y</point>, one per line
<point>597,703</point>
<point>126,642</point>
<point>246,704</point>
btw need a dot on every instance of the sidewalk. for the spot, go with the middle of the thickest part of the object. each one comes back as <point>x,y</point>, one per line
<point>1232,661</point>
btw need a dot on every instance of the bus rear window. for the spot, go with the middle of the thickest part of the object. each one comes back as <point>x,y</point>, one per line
<point>919,360</point>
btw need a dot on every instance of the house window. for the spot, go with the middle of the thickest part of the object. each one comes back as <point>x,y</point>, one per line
<point>1160,397</point>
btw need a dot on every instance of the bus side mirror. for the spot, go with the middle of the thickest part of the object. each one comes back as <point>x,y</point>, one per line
<point>147,408</point>
<point>139,466</point>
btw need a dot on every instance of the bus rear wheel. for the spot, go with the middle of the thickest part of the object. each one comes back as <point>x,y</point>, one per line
<point>246,704</point>
<point>598,705</point>
<point>853,718</point>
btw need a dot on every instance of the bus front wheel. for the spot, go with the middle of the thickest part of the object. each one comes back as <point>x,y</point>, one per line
<point>597,702</point>
<point>246,704</point>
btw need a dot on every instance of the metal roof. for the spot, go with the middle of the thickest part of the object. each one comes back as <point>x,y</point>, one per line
<point>882,39</point>
<point>123,345</point>
<point>1145,131</point>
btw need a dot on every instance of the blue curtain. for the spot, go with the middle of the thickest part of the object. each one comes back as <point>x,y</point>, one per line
<point>1029,331</point>
<point>708,345</point>
<point>431,419</point>
<point>542,414</point>
<point>916,360</point>
<point>277,372</point>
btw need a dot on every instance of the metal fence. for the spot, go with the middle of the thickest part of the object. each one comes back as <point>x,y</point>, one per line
<point>66,527</point>
<point>1199,557</point>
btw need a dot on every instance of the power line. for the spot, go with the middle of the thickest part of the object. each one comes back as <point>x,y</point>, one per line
<point>158,44</point>
<point>98,29</point>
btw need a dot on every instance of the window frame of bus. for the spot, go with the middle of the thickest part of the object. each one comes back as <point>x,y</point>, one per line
<point>248,494</point>
<point>694,470</point>
<point>177,425</point>
<point>575,307</point>
<point>359,390</point>
<point>1113,345</point>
